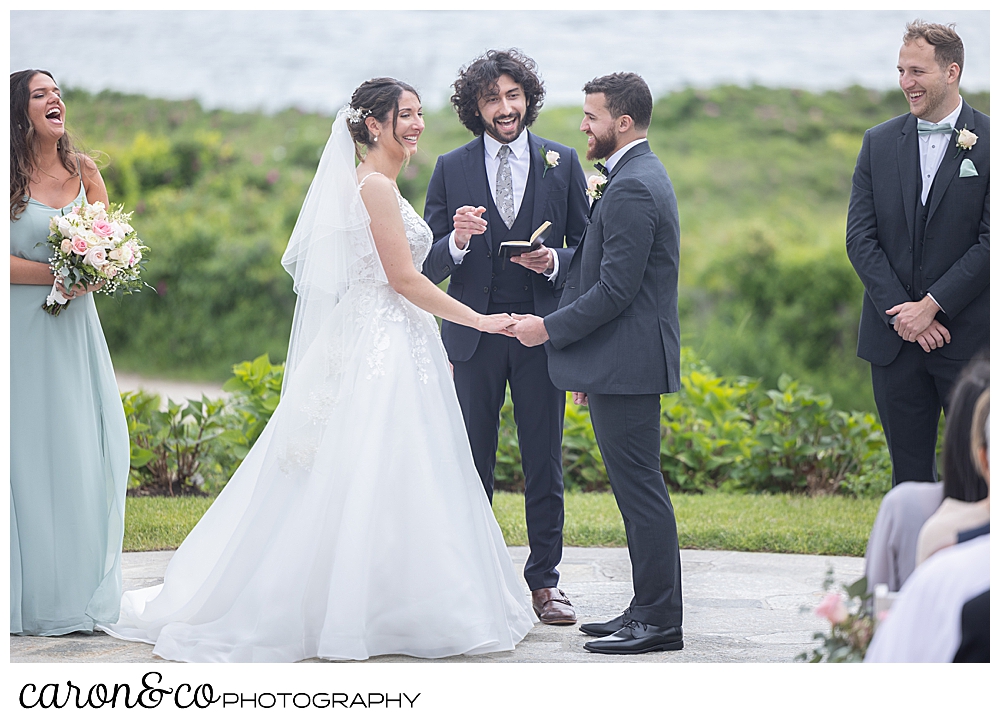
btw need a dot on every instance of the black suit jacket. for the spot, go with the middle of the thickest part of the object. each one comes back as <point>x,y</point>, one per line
<point>881,235</point>
<point>459,179</point>
<point>616,330</point>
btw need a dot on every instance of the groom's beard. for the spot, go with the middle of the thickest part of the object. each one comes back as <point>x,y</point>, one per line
<point>604,146</point>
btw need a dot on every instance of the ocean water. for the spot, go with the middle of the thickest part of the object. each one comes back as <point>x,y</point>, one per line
<point>312,60</point>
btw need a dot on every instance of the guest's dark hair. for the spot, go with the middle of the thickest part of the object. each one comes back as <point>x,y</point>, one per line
<point>378,98</point>
<point>981,431</point>
<point>480,77</point>
<point>22,138</point>
<point>948,47</point>
<point>624,94</point>
<point>962,480</point>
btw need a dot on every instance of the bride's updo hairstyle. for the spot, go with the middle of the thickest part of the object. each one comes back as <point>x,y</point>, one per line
<point>378,98</point>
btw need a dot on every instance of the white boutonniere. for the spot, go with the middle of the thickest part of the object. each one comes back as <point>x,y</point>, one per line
<point>966,140</point>
<point>550,159</point>
<point>595,186</point>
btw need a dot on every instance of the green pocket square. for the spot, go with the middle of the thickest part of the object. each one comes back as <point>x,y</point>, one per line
<point>967,169</point>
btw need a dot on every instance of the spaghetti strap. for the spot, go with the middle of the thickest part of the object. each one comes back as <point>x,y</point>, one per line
<point>79,172</point>
<point>361,183</point>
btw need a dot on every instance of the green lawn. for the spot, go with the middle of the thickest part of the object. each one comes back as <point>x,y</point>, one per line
<point>756,523</point>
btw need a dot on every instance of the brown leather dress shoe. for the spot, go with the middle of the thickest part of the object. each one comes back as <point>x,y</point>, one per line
<point>552,606</point>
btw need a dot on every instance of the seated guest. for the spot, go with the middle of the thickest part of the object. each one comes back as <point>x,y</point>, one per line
<point>932,620</point>
<point>891,554</point>
<point>975,645</point>
<point>966,502</point>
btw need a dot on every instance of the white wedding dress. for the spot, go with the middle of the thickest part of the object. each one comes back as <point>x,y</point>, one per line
<point>357,525</point>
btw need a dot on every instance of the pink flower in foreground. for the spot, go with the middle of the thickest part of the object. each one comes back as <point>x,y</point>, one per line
<point>832,608</point>
<point>102,229</point>
<point>79,245</point>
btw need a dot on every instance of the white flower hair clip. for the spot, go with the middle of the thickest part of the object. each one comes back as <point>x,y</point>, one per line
<point>356,115</point>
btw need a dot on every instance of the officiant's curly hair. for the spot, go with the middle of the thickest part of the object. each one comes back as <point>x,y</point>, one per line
<point>480,77</point>
<point>22,141</point>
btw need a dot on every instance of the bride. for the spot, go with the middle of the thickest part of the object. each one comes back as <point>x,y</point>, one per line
<point>357,525</point>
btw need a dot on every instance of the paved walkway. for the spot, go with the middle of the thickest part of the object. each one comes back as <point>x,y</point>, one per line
<point>738,607</point>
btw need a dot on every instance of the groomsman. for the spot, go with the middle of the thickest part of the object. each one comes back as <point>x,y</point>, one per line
<point>918,235</point>
<point>615,341</point>
<point>502,186</point>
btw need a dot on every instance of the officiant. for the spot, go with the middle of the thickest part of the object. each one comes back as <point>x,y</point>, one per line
<point>500,187</point>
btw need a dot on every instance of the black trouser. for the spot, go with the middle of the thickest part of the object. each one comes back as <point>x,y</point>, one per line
<point>481,383</point>
<point>910,393</point>
<point>627,428</point>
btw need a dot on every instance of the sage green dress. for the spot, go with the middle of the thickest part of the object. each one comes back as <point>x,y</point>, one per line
<point>69,455</point>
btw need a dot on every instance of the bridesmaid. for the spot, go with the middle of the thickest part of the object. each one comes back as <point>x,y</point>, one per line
<point>69,446</point>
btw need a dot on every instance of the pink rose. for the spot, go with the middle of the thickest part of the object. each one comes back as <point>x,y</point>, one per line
<point>102,229</point>
<point>110,271</point>
<point>79,245</point>
<point>832,608</point>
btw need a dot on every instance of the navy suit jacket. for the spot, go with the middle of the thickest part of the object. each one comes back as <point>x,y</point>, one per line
<point>616,330</point>
<point>459,179</point>
<point>881,236</point>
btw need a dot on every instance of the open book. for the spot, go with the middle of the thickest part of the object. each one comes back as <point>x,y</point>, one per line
<point>516,248</point>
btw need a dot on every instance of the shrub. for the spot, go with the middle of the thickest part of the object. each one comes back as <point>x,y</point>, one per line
<point>173,449</point>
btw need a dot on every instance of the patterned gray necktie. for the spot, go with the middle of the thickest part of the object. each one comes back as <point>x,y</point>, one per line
<point>505,188</point>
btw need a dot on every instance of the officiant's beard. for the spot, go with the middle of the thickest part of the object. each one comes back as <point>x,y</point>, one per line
<point>604,146</point>
<point>499,136</point>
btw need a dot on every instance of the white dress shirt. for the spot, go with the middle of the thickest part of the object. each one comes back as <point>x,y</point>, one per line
<point>519,160</point>
<point>520,163</point>
<point>932,150</point>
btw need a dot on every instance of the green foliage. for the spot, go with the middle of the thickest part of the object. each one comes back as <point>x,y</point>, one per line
<point>762,177</point>
<point>732,434</point>
<point>173,451</point>
<point>255,389</point>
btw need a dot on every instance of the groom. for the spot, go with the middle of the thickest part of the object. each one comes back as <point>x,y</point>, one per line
<point>499,187</point>
<point>615,340</point>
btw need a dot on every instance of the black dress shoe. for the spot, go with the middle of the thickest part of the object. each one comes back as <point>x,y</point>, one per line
<point>601,630</point>
<point>636,638</point>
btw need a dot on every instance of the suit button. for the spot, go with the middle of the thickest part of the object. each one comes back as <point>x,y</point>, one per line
<point>493,276</point>
<point>494,288</point>
<point>447,268</point>
<point>525,288</point>
<point>488,255</point>
<point>907,287</point>
<point>486,289</point>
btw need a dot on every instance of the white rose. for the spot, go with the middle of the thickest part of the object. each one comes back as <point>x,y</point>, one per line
<point>552,158</point>
<point>967,139</point>
<point>110,271</point>
<point>593,182</point>
<point>65,226</point>
<point>96,257</point>
<point>93,240</point>
<point>118,254</point>
<point>66,246</point>
<point>117,231</point>
<point>127,228</point>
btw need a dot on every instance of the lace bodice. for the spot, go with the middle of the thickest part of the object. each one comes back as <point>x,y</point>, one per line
<point>418,233</point>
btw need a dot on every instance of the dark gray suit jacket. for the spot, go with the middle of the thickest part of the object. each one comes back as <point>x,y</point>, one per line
<point>459,179</point>
<point>881,235</point>
<point>616,330</point>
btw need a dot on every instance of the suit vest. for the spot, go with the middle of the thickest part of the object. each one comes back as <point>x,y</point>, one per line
<point>916,289</point>
<point>511,284</point>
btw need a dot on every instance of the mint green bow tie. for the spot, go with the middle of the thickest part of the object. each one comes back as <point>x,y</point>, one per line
<point>925,128</point>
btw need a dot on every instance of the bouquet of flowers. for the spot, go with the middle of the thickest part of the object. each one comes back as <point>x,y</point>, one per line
<point>851,624</point>
<point>92,245</point>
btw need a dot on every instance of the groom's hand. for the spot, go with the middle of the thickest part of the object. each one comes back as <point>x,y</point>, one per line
<point>934,336</point>
<point>529,329</point>
<point>540,260</point>
<point>580,398</point>
<point>468,223</point>
<point>913,317</point>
